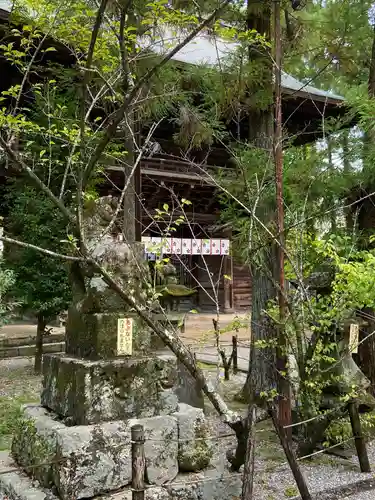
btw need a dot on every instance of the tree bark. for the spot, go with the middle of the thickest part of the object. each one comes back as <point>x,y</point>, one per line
<point>41,326</point>
<point>366,350</point>
<point>263,375</point>
<point>331,198</point>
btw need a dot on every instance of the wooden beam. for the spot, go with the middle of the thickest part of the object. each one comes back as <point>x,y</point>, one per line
<point>228,283</point>
<point>191,217</point>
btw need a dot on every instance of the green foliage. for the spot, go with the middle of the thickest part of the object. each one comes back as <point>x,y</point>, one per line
<point>290,491</point>
<point>341,430</point>
<point>6,282</point>
<point>41,282</point>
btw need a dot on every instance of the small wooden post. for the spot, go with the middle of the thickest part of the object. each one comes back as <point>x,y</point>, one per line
<point>289,453</point>
<point>358,437</point>
<point>138,462</point>
<point>235,354</point>
<point>248,471</point>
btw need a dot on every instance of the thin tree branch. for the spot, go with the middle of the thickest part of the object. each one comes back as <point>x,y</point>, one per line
<point>55,255</point>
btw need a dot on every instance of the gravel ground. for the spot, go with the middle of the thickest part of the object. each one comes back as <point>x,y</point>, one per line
<point>273,478</point>
<point>17,378</point>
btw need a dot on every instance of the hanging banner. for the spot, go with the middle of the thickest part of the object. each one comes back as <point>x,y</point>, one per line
<point>185,246</point>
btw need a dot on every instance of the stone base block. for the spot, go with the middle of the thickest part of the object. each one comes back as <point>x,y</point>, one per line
<point>109,390</point>
<point>94,335</point>
<point>93,459</point>
<point>211,485</point>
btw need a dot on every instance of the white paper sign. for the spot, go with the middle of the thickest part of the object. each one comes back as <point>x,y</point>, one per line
<point>224,247</point>
<point>353,338</point>
<point>215,247</point>
<point>176,246</point>
<point>206,247</point>
<point>124,337</point>
<point>196,247</point>
<point>186,246</point>
<point>167,245</point>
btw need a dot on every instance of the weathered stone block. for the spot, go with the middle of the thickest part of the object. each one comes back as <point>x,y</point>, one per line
<point>16,485</point>
<point>89,392</point>
<point>161,448</point>
<point>94,335</point>
<point>34,442</point>
<point>89,460</point>
<point>195,450</point>
<point>188,391</point>
<point>94,459</point>
<point>211,485</point>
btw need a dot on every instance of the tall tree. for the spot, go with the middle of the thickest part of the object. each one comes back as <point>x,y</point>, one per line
<point>262,373</point>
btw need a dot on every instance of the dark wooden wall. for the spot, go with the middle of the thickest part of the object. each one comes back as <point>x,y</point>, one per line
<point>241,287</point>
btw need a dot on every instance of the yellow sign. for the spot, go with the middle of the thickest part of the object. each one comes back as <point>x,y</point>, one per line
<point>353,338</point>
<point>124,336</point>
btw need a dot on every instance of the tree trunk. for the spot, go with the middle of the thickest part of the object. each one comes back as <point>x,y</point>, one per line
<point>263,375</point>
<point>332,199</point>
<point>131,224</point>
<point>41,326</point>
<point>366,350</point>
<point>348,212</point>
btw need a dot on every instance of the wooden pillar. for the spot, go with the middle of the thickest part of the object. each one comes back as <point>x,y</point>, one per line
<point>228,273</point>
<point>137,201</point>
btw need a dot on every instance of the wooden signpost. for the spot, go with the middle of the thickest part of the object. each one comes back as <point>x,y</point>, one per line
<point>353,338</point>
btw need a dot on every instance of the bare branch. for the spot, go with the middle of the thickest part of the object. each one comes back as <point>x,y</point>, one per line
<point>55,255</point>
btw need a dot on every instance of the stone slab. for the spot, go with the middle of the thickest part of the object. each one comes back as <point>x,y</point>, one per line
<point>161,448</point>
<point>88,392</point>
<point>89,460</point>
<point>16,485</point>
<point>194,449</point>
<point>94,335</point>
<point>211,485</point>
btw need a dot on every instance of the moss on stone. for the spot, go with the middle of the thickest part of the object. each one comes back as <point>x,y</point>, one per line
<point>94,336</point>
<point>108,389</point>
<point>30,449</point>
<point>196,454</point>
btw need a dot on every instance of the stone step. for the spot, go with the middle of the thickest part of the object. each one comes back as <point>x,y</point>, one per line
<point>29,350</point>
<point>7,342</point>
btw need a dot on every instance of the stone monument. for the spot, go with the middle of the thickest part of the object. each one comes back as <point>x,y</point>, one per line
<point>105,382</point>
